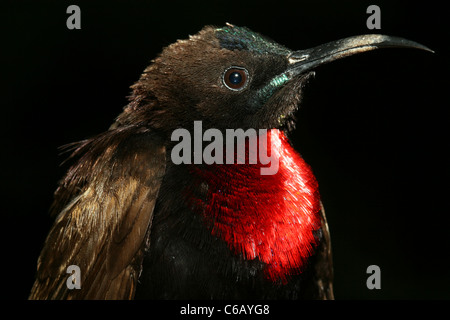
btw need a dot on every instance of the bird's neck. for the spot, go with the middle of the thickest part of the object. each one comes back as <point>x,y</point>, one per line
<point>272,218</point>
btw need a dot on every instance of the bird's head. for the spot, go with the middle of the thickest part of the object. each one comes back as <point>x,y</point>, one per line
<point>232,77</point>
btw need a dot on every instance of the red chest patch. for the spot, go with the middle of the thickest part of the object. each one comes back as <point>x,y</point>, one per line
<point>269,217</point>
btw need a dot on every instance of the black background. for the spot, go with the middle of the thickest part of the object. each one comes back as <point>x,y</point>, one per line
<point>374,127</point>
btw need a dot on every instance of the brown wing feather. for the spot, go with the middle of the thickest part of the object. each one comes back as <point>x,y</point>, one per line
<point>104,229</point>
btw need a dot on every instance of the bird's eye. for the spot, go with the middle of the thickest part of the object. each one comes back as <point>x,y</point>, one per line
<point>235,78</point>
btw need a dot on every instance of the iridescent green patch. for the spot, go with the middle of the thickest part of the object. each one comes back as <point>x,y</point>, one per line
<point>267,91</point>
<point>241,38</point>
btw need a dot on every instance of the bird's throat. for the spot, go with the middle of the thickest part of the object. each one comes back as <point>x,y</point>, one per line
<point>272,218</point>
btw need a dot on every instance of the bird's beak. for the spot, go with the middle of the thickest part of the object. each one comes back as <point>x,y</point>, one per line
<point>303,61</point>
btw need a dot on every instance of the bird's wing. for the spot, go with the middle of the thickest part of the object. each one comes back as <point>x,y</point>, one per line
<point>104,223</point>
<point>324,266</point>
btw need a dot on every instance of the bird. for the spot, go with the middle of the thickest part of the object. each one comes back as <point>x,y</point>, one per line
<point>140,226</point>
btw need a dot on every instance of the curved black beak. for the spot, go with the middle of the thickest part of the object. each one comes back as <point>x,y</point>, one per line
<point>303,61</point>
